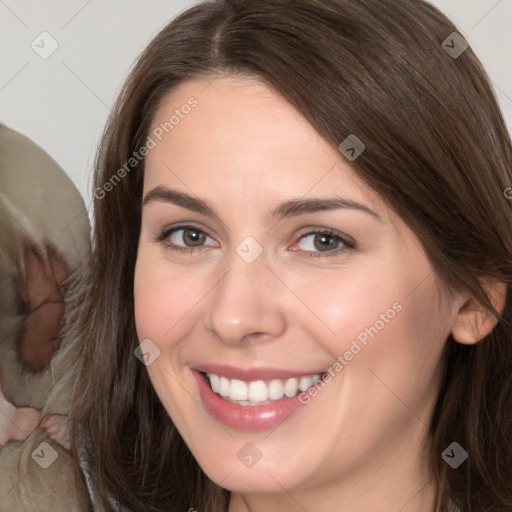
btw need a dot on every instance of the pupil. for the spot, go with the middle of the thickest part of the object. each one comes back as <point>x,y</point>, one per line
<point>324,245</point>
<point>195,236</point>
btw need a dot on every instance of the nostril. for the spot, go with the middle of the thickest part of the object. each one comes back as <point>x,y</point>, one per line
<point>258,336</point>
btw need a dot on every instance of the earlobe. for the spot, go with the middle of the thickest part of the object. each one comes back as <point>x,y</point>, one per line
<point>473,321</point>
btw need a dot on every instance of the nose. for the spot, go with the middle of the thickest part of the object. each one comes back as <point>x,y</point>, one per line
<point>244,305</point>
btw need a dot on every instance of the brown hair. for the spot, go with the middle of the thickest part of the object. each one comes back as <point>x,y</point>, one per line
<point>437,150</point>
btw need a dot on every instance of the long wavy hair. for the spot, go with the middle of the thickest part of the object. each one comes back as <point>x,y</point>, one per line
<point>437,150</point>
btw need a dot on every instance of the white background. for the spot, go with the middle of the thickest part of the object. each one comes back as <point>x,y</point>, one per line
<point>62,102</point>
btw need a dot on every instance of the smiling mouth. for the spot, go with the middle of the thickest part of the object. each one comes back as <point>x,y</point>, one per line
<point>259,392</point>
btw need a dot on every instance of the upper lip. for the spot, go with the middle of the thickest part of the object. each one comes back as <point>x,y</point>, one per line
<point>252,374</point>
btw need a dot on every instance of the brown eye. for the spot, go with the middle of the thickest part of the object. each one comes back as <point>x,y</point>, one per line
<point>183,238</point>
<point>324,241</point>
<point>193,237</point>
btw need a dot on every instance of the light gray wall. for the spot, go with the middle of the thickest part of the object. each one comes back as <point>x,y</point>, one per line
<point>62,101</point>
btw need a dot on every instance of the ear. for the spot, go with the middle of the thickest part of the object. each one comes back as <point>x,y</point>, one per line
<point>473,321</point>
<point>41,291</point>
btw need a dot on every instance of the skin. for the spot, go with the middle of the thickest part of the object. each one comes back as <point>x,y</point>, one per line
<point>358,444</point>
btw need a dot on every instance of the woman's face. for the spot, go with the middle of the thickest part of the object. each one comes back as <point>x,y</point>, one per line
<point>246,290</point>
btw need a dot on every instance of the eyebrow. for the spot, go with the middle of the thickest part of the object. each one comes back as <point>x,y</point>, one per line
<point>283,210</point>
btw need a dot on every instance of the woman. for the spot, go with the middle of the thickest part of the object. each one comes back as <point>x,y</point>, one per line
<point>301,265</point>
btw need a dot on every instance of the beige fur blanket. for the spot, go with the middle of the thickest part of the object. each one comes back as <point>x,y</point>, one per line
<point>44,248</point>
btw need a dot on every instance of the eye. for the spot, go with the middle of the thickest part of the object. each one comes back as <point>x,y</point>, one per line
<point>325,241</point>
<point>191,236</point>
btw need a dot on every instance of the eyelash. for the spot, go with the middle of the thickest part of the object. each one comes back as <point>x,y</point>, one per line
<point>161,238</point>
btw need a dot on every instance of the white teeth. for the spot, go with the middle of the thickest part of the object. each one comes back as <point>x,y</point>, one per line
<point>214,381</point>
<point>305,383</point>
<point>237,390</point>
<point>290,387</point>
<point>223,386</point>
<point>259,392</point>
<point>275,390</point>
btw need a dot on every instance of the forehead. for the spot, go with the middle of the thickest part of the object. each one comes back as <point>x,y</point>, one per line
<point>236,137</point>
<point>240,110</point>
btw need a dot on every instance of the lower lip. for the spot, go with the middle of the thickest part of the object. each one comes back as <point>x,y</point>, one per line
<point>246,417</point>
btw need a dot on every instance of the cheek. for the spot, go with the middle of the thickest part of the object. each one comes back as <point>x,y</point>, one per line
<point>347,305</point>
<point>149,302</point>
<point>400,348</point>
<point>152,297</point>
<point>165,297</point>
<point>376,315</point>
